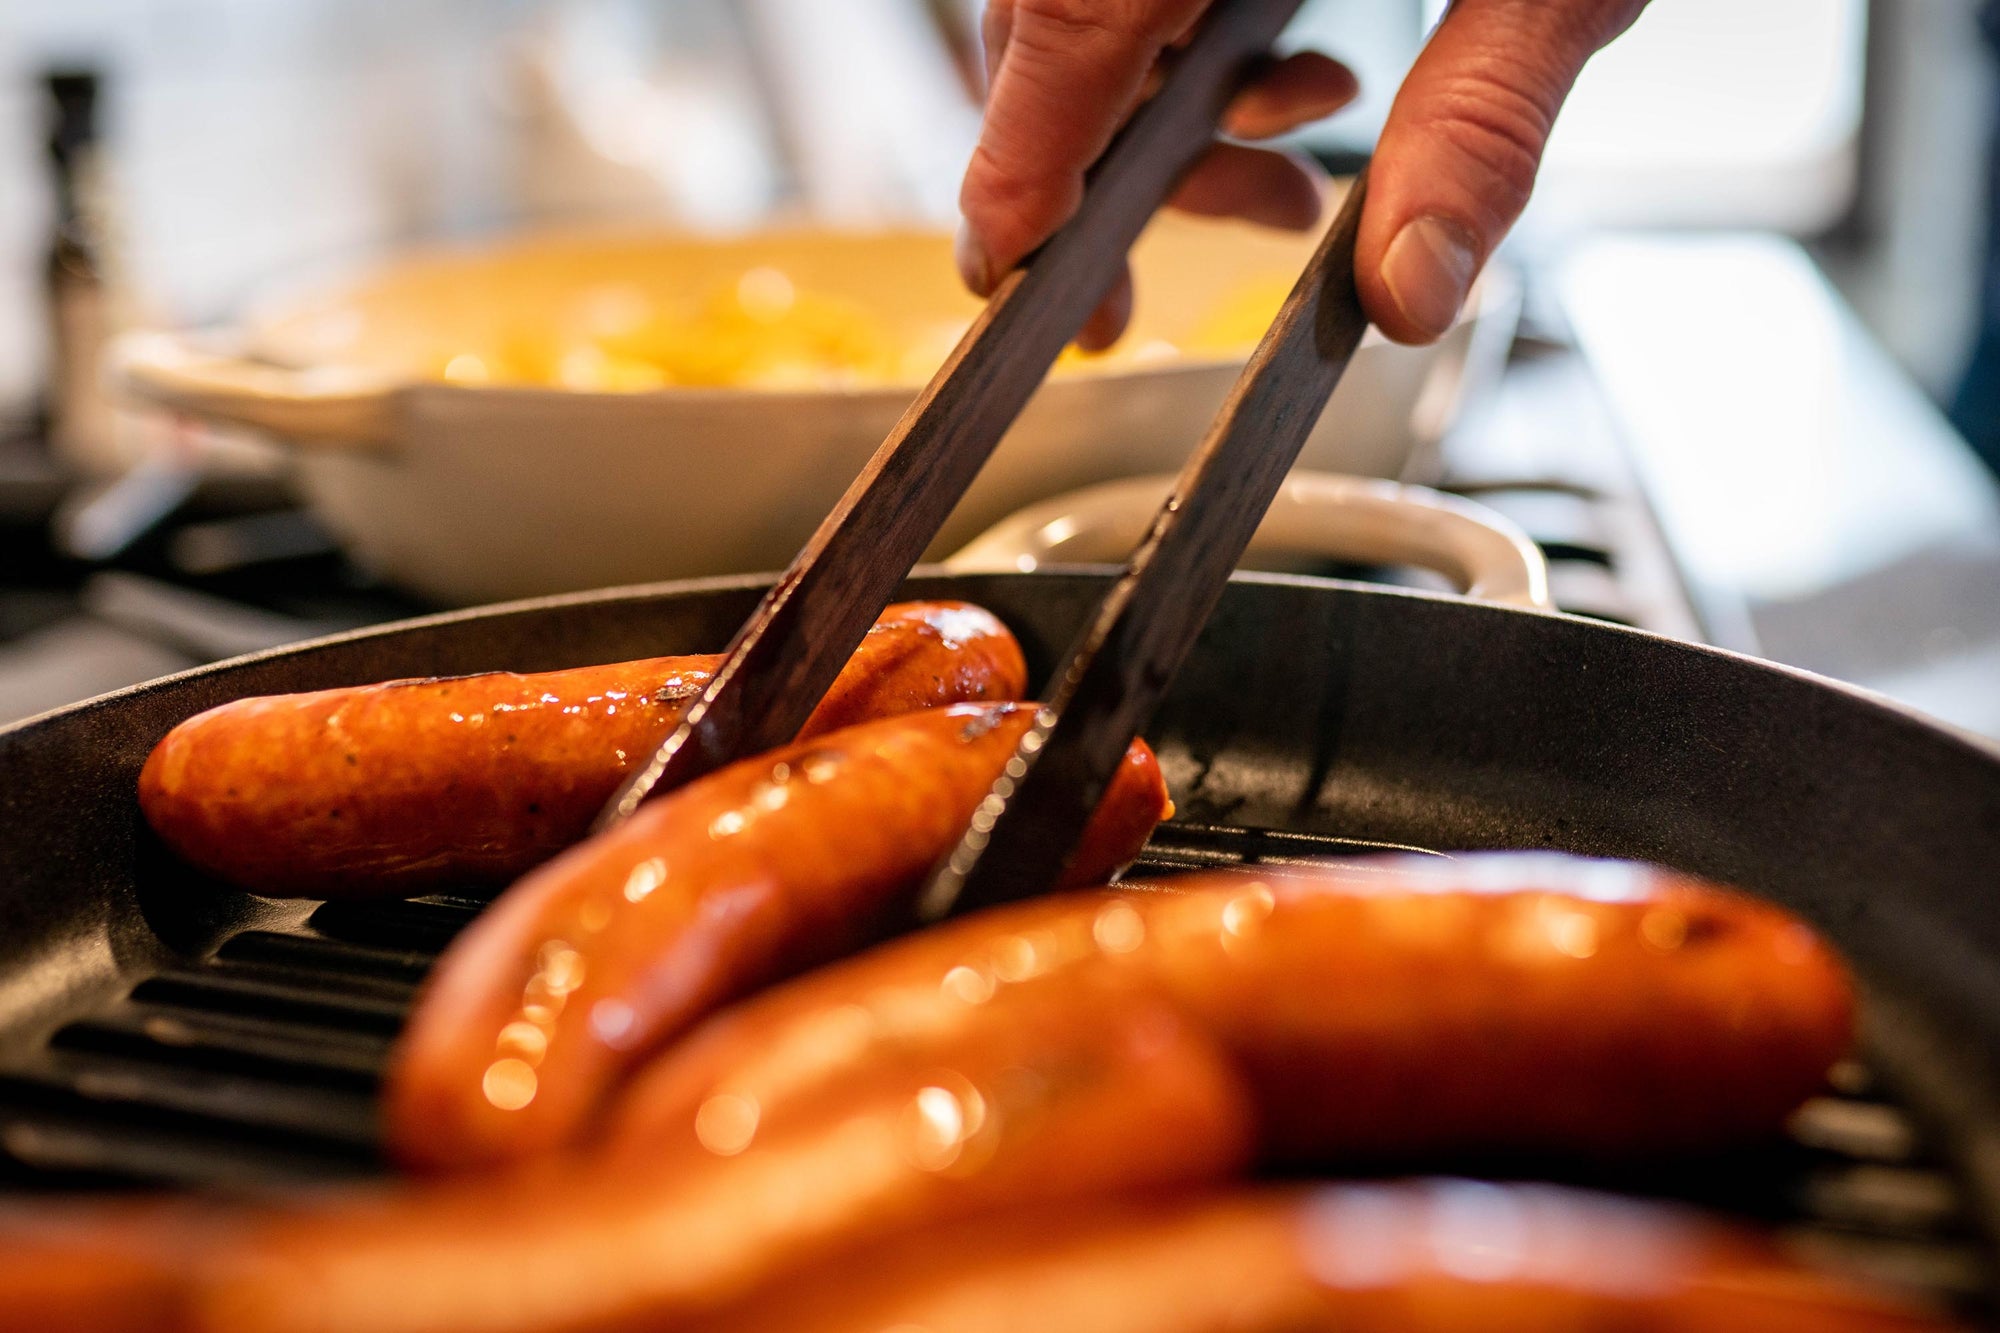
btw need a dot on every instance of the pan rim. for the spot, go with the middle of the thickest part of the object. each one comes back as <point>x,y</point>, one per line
<point>1983,747</point>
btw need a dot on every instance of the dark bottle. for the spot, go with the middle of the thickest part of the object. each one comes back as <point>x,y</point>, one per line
<point>76,420</point>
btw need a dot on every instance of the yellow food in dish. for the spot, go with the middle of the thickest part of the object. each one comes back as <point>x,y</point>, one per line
<point>757,331</point>
<point>761,330</point>
<point>1238,321</point>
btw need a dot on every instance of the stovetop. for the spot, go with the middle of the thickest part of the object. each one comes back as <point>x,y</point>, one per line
<point>1801,502</point>
<point>236,567</point>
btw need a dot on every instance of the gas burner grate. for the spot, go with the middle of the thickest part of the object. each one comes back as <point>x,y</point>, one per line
<point>256,1069</point>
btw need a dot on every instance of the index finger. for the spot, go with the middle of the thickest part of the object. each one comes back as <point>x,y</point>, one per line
<point>1068,74</point>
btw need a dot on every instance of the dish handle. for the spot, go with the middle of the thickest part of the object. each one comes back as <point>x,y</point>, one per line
<point>1355,519</point>
<point>322,407</point>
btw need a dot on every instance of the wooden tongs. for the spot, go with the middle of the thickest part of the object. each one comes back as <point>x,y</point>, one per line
<point>789,651</point>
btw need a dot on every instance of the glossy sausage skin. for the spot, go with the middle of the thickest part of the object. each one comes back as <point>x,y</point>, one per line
<point>1585,1007</point>
<point>565,1245</point>
<point>1078,1047</point>
<point>116,1267</point>
<point>403,787</point>
<point>1439,1256</point>
<point>1509,1004</point>
<point>583,970</point>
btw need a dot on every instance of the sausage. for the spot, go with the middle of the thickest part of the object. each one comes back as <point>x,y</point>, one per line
<point>466,781</point>
<point>587,967</point>
<point>1436,1256</point>
<point>569,1244</point>
<point>1508,1004</point>
<point>1075,1048</point>
<point>117,1267</point>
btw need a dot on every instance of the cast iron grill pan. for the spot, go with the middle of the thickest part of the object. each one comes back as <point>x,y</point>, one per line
<point>179,1034</point>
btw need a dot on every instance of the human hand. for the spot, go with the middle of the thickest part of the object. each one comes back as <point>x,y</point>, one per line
<point>1452,170</point>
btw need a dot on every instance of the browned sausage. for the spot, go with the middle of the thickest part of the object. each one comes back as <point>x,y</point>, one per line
<point>1076,1047</point>
<point>1511,1003</point>
<point>118,1267</point>
<point>584,969</point>
<point>1440,1256</point>
<point>404,787</point>
<point>569,1244</point>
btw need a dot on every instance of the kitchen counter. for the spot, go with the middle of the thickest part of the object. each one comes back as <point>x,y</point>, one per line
<point>1821,510</point>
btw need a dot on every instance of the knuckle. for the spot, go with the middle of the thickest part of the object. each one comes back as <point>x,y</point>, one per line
<point>1499,128</point>
<point>1575,27</point>
<point>1597,22</point>
<point>1130,23</point>
<point>1014,209</point>
<point>996,24</point>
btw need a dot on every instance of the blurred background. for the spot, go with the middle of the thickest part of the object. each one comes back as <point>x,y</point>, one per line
<point>1720,385</point>
<point>246,137</point>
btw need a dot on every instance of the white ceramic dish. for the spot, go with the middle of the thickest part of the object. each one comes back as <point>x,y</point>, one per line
<point>1363,520</point>
<point>473,493</point>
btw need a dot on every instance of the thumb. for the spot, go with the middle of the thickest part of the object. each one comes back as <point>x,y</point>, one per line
<point>1458,155</point>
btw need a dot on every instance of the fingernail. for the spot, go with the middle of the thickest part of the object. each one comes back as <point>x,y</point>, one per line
<point>1428,270</point>
<point>974,265</point>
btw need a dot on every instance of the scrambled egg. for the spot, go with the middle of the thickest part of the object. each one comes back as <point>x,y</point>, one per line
<point>762,331</point>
